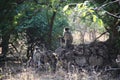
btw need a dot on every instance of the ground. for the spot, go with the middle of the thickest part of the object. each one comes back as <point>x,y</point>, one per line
<point>17,71</point>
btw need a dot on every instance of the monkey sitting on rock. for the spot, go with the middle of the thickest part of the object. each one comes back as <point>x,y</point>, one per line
<point>67,39</point>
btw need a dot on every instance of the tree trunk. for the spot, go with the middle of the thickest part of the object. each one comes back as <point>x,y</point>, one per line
<point>30,41</point>
<point>51,28</point>
<point>5,42</point>
<point>114,33</point>
<point>30,51</point>
<point>113,41</point>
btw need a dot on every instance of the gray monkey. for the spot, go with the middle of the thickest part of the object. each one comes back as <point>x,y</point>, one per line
<point>68,38</point>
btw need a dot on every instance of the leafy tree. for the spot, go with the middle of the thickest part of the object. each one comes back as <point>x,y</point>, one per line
<point>7,24</point>
<point>36,20</point>
<point>111,20</point>
<point>104,13</point>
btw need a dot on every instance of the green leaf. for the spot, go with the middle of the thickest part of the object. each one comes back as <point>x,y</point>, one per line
<point>100,23</point>
<point>65,8</point>
<point>53,1</point>
<point>84,14</point>
<point>91,11</point>
<point>79,5</point>
<point>94,18</point>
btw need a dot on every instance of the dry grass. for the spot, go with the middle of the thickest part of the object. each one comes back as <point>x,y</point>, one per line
<point>22,73</point>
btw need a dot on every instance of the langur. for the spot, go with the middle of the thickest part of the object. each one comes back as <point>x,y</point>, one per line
<point>62,42</point>
<point>118,59</point>
<point>68,38</point>
<point>37,56</point>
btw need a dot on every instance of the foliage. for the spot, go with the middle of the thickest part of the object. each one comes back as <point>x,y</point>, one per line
<point>37,17</point>
<point>7,13</point>
<point>84,14</point>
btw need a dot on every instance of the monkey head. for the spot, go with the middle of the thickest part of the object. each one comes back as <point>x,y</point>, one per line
<point>66,29</point>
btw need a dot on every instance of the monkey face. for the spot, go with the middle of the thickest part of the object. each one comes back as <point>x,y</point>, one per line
<point>118,59</point>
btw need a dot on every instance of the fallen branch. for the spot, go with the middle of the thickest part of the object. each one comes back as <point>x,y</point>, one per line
<point>112,69</point>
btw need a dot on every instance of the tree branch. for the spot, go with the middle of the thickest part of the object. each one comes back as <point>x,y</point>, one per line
<point>106,4</point>
<point>100,36</point>
<point>115,16</point>
<point>14,47</point>
<point>101,7</point>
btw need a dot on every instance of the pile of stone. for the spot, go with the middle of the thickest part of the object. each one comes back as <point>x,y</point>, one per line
<point>84,55</point>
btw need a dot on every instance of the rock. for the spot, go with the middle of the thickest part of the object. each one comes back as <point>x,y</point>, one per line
<point>81,61</point>
<point>59,50</point>
<point>95,60</point>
